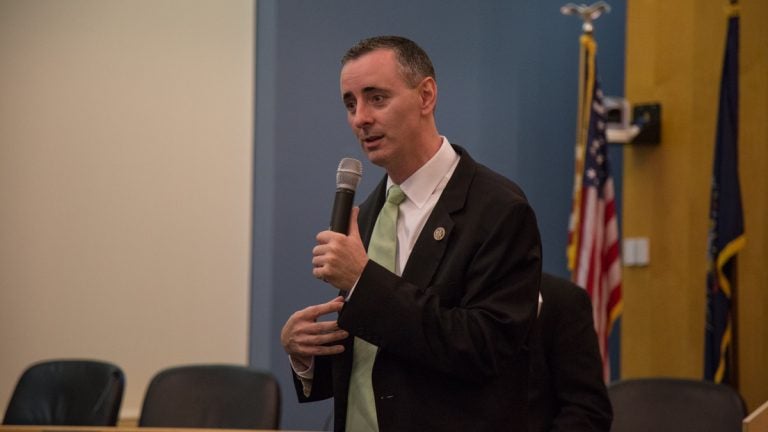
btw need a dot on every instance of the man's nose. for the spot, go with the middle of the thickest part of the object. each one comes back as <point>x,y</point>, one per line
<point>362,117</point>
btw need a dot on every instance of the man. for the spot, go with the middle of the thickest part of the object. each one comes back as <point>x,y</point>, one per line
<point>433,339</point>
<point>567,389</point>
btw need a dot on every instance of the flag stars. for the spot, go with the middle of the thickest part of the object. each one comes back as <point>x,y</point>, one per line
<point>594,148</point>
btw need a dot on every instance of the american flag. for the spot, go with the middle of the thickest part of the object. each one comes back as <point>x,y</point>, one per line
<point>593,237</point>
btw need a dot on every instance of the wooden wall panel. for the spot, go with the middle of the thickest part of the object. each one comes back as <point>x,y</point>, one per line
<point>674,56</point>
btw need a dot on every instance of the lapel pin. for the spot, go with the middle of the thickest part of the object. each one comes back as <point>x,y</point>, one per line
<point>439,233</point>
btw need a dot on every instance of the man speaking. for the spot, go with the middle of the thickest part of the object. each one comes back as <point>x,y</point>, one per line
<point>439,271</point>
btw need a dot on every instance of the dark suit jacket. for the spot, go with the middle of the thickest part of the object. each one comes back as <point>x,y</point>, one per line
<point>452,330</point>
<point>567,389</point>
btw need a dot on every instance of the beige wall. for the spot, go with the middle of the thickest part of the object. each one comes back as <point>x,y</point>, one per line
<point>125,183</point>
<point>674,56</point>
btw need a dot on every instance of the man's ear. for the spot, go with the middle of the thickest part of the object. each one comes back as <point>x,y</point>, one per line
<point>428,95</point>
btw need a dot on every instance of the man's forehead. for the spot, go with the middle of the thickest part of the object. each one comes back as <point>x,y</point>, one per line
<point>374,69</point>
<point>378,54</point>
<point>375,60</point>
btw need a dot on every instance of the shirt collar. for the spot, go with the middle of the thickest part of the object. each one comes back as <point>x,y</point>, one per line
<point>426,180</point>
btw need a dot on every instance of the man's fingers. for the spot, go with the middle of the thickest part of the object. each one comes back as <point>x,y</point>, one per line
<point>317,272</point>
<point>322,333</point>
<point>318,344</point>
<point>322,350</point>
<point>319,250</point>
<point>322,327</point>
<point>303,335</point>
<point>316,311</point>
<point>332,335</point>
<point>324,338</point>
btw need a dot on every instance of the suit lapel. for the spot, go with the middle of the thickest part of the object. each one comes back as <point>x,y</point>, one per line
<point>434,238</point>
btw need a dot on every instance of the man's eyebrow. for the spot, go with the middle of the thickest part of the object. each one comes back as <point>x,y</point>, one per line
<point>366,90</point>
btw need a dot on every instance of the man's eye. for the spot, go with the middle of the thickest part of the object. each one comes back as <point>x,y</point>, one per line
<point>377,99</point>
<point>350,106</point>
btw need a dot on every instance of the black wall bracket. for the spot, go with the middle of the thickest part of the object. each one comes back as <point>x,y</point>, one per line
<point>648,118</point>
<point>644,128</point>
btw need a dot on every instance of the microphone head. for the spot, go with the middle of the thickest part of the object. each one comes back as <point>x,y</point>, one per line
<point>349,174</point>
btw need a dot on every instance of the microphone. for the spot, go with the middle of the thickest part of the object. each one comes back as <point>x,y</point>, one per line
<point>347,178</point>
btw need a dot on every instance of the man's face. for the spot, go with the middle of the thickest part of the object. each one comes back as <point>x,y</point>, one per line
<point>383,112</point>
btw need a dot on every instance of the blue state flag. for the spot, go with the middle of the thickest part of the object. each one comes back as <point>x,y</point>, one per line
<point>726,229</point>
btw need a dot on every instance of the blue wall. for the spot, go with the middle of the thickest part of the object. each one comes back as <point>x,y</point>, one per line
<point>507,81</point>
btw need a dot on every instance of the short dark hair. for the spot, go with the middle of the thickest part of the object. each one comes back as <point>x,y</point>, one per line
<point>414,61</point>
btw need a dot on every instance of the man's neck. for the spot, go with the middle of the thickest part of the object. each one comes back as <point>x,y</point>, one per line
<point>426,150</point>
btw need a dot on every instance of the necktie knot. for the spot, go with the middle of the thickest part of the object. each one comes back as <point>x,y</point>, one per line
<point>395,195</point>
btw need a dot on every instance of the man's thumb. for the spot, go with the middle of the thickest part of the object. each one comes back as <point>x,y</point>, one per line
<point>353,230</point>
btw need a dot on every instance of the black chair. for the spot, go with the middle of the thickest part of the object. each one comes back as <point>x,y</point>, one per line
<point>212,396</point>
<point>67,393</point>
<point>675,404</point>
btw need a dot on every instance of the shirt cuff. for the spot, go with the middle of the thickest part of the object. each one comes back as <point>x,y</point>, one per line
<point>349,293</point>
<point>305,374</point>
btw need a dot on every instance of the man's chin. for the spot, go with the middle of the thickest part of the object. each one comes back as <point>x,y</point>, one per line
<point>376,157</point>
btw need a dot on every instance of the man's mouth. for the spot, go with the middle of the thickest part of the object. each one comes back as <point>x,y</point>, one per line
<point>372,138</point>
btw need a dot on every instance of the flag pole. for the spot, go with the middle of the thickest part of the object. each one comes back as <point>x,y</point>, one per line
<point>733,372</point>
<point>593,251</point>
<point>587,50</point>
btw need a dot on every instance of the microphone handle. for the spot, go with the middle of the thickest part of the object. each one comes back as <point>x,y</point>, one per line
<point>342,207</point>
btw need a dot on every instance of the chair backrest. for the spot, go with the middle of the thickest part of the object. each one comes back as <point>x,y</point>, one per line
<point>675,404</point>
<point>67,393</point>
<point>212,396</point>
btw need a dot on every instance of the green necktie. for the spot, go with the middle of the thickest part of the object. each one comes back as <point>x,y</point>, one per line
<point>361,406</point>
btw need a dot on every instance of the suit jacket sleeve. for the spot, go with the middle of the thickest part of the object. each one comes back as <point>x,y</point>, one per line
<point>321,382</point>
